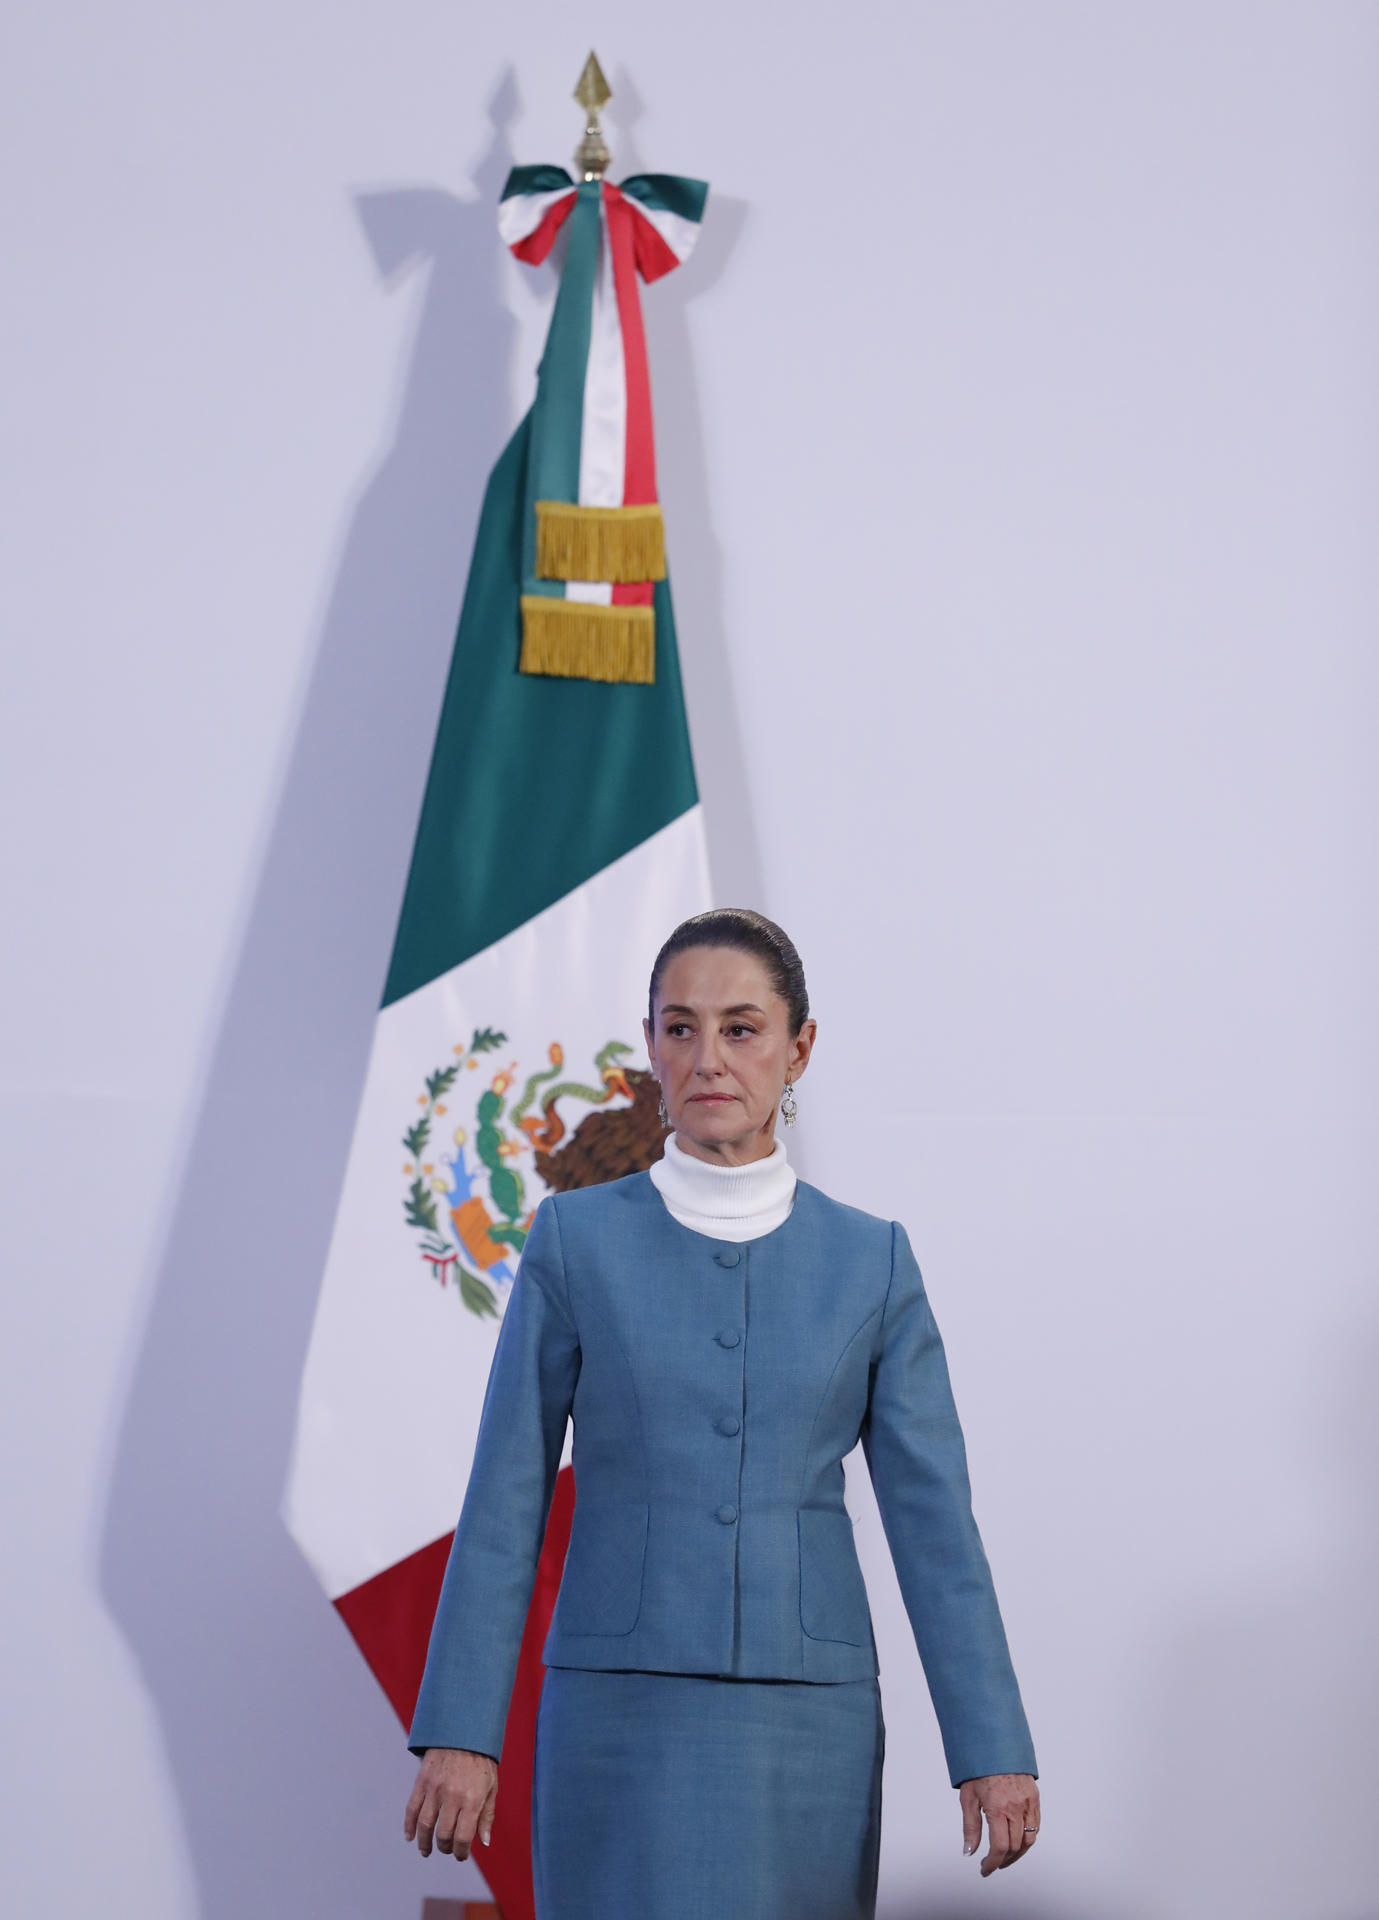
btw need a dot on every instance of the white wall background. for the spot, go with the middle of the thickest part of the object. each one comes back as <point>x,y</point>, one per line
<point>1020,447</point>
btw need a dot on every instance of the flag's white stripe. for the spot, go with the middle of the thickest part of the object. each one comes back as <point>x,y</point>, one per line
<point>603,437</point>
<point>397,1366</point>
<point>678,233</point>
<point>597,592</point>
<point>522,213</point>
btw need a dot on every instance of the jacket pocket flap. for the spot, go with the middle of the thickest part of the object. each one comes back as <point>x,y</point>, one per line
<point>833,1594</point>
<point>601,1586</point>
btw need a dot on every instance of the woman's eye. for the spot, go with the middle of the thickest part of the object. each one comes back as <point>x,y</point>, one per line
<point>741,1029</point>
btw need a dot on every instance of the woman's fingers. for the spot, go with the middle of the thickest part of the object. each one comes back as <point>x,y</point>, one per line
<point>997,1841</point>
<point>486,1815</point>
<point>410,1817</point>
<point>1029,1826</point>
<point>970,1800</point>
<point>426,1819</point>
<point>1003,1842</point>
<point>1009,1835</point>
<point>446,1825</point>
<point>1031,1820</point>
<point>456,1793</point>
<point>465,1829</point>
<point>1010,1802</point>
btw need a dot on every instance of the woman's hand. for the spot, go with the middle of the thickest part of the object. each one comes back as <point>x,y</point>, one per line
<point>455,1794</point>
<point>1011,1804</point>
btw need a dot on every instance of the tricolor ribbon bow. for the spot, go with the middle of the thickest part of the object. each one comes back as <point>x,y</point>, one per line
<point>593,540</point>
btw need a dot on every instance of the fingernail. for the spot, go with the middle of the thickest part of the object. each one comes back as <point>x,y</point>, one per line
<point>969,1846</point>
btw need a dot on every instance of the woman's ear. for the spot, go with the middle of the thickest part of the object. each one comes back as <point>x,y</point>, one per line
<point>803,1045</point>
<point>647,1035</point>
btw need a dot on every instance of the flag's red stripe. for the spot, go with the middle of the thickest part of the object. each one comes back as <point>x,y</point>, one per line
<point>655,255</point>
<point>541,239</point>
<point>390,1617</point>
<point>633,593</point>
<point>639,474</point>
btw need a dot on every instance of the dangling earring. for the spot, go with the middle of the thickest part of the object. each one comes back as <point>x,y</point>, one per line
<point>789,1106</point>
<point>661,1113</point>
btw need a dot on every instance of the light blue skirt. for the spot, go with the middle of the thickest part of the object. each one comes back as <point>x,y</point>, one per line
<point>675,1796</point>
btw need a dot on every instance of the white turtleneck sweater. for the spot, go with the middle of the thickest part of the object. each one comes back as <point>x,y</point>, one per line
<point>727,1203</point>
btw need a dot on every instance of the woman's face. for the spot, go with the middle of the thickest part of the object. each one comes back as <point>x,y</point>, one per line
<point>722,1050</point>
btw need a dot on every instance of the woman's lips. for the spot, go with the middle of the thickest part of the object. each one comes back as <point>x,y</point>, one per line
<point>712,1099</point>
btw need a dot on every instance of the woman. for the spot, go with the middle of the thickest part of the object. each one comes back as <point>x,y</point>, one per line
<point>710,1737</point>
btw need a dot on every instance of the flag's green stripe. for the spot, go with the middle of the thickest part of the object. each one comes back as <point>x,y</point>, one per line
<point>536,783</point>
<point>558,415</point>
<point>535,180</point>
<point>669,191</point>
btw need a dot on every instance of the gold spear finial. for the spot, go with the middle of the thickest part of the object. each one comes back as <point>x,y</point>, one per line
<point>592,93</point>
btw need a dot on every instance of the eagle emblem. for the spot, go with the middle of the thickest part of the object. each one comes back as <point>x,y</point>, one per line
<point>473,1187</point>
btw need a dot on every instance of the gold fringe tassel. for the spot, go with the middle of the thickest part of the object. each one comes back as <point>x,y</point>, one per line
<point>599,543</point>
<point>585,640</point>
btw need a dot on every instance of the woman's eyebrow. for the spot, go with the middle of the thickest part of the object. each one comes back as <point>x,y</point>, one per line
<point>747,1006</point>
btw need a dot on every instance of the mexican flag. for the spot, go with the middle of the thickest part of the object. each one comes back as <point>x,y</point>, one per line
<point>560,839</point>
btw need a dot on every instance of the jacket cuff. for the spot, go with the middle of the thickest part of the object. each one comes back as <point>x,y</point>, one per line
<point>979,1763</point>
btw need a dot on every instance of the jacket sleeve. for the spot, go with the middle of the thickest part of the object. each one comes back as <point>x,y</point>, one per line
<point>915,1453</point>
<point>477,1634</point>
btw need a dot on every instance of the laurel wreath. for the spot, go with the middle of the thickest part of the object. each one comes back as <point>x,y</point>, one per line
<point>505,1186</point>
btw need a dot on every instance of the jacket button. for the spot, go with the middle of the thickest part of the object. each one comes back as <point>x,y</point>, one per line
<point>727,1515</point>
<point>728,1425</point>
<point>729,1337</point>
<point>727,1256</point>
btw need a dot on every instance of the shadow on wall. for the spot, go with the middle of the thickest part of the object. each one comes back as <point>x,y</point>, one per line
<point>695,557</point>
<point>1002,1893</point>
<point>289,1765</point>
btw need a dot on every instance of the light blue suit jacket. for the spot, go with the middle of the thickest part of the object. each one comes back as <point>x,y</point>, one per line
<point>716,1389</point>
